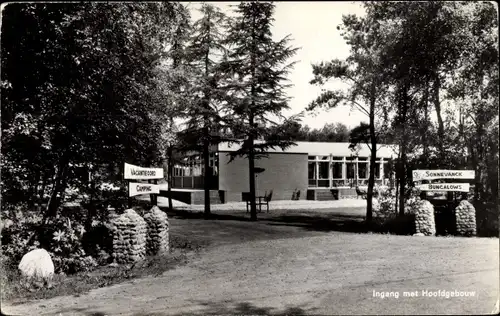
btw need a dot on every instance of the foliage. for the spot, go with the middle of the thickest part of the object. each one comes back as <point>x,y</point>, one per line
<point>384,208</point>
<point>256,68</point>
<point>203,52</point>
<point>363,71</point>
<point>293,130</point>
<point>18,227</point>
<point>78,91</point>
<point>425,59</point>
<point>61,237</point>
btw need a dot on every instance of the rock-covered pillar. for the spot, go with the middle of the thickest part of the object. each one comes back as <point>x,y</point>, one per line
<point>465,219</point>
<point>129,238</point>
<point>157,239</point>
<point>424,219</point>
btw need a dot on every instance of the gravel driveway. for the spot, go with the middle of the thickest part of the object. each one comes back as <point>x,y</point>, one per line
<point>294,270</point>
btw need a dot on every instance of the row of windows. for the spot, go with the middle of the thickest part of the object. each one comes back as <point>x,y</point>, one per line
<point>337,158</point>
<point>195,166</point>
<point>320,170</point>
<point>194,171</point>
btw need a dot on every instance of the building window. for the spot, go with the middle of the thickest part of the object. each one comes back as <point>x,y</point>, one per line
<point>351,170</point>
<point>377,170</point>
<point>363,170</point>
<point>337,170</point>
<point>323,170</point>
<point>312,170</point>
<point>387,170</point>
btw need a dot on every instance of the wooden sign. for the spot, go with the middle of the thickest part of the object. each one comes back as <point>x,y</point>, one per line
<point>419,175</point>
<point>135,188</point>
<point>141,173</point>
<point>457,187</point>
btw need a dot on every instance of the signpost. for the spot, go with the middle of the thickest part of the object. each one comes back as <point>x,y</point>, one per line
<point>141,173</point>
<point>451,202</point>
<point>135,188</point>
<point>420,175</point>
<point>448,187</point>
<point>132,172</point>
<point>442,174</point>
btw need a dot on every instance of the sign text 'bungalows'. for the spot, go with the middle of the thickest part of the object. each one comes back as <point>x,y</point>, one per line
<point>419,175</point>
<point>140,173</point>
<point>135,188</point>
<point>457,187</point>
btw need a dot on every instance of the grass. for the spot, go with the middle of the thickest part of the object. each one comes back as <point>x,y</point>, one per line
<point>14,292</point>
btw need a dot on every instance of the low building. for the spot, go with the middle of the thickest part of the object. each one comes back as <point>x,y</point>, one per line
<point>318,170</point>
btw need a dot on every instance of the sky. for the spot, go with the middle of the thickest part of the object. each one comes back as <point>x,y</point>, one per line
<point>312,27</point>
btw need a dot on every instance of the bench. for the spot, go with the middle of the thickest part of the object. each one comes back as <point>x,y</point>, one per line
<point>259,200</point>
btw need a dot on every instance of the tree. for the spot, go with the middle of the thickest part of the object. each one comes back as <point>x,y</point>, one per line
<point>257,66</point>
<point>177,81</point>
<point>475,89</point>
<point>362,69</point>
<point>428,45</point>
<point>204,54</point>
<point>78,90</point>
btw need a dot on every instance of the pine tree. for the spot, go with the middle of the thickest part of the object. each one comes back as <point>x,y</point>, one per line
<point>204,54</point>
<point>258,67</point>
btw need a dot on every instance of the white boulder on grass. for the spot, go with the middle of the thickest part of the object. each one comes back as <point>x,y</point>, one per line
<point>37,264</point>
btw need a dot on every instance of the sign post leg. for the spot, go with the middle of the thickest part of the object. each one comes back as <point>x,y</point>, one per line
<point>153,196</point>
<point>129,197</point>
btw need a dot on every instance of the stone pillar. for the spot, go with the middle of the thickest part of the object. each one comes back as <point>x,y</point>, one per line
<point>157,240</point>
<point>465,215</point>
<point>129,238</point>
<point>424,219</point>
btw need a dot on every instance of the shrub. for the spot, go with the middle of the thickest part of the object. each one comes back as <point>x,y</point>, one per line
<point>64,241</point>
<point>384,208</point>
<point>19,231</point>
<point>385,215</point>
<point>23,231</point>
<point>487,215</point>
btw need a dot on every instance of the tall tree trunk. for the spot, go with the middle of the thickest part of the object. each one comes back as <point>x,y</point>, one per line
<point>425,140</point>
<point>206,123</point>
<point>92,209</point>
<point>403,109</point>
<point>251,138</point>
<point>59,186</point>
<point>402,181</point>
<point>170,177</point>
<point>251,172</point>
<point>373,158</point>
<point>41,193</point>
<point>207,175</point>
<point>437,105</point>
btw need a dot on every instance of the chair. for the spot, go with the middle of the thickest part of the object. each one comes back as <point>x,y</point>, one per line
<point>245,196</point>
<point>360,193</point>
<point>268,199</point>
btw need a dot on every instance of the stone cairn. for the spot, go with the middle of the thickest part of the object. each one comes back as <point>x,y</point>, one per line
<point>424,219</point>
<point>129,238</point>
<point>465,215</point>
<point>157,241</point>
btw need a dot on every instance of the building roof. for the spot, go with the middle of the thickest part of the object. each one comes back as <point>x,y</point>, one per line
<point>324,149</point>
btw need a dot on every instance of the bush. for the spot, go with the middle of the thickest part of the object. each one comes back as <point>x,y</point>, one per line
<point>23,231</point>
<point>402,225</point>
<point>19,231</point>
<point>487,219</point>
<point>64,242</point>
<point>384,208</point>
<point>385,215</point>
